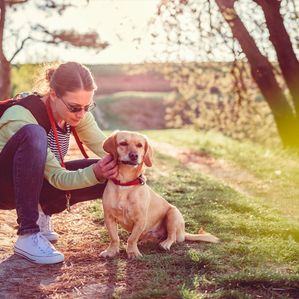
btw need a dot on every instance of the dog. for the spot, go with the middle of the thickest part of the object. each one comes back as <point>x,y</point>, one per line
<point>130,202</point>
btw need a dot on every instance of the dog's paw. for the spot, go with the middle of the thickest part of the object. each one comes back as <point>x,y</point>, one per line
<point>166,244</point>
<point>132,254</point>
<point>108,253</point>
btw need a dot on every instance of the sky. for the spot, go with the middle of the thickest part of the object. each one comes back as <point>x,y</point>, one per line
<point>118,22</point>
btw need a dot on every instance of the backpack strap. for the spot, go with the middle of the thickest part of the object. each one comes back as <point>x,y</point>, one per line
<point>38,109</point>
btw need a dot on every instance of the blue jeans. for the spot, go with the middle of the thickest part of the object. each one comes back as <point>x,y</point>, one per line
<point>22,183</point>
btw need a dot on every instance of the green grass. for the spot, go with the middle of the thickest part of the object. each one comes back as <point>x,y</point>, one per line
<point>276,170</point>
<point>117,96</point>
<point>258,254</point>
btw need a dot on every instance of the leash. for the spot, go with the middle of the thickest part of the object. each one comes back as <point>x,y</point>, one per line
<point>79,143</point>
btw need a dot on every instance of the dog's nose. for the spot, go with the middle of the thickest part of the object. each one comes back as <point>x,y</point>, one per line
<point>133,156</point>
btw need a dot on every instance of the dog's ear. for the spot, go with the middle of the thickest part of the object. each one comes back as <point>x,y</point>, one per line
<point>148,156</point>
<point>110,146</point>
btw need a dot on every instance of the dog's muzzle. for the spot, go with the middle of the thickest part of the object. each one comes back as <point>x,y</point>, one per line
<point>133,159</point>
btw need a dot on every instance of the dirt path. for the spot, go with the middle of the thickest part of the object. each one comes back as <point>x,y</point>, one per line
<point>224,171</point>
<point>84,275</point>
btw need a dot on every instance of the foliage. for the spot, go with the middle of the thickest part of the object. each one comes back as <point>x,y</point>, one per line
<point>246,33</point>
<point>204,100</point>
<point>23,77</point>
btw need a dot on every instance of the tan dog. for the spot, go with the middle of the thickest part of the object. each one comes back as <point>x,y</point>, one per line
<point>130,202</point>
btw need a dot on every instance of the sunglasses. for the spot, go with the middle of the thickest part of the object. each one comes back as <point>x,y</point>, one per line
<point>76,109</point>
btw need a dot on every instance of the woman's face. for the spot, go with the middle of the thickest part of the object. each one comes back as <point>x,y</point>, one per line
<point>72,106</point>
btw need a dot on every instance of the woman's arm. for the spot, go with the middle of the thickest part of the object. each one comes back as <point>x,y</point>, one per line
<point>15,118</point>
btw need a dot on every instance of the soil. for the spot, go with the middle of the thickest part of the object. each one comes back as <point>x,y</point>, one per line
<point>225,171</point>
<point>84,274</point>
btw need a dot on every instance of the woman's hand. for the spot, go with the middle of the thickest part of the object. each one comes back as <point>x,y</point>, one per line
<point>105,168</point>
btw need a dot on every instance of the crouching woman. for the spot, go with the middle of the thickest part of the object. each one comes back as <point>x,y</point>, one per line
<point>33,177</point>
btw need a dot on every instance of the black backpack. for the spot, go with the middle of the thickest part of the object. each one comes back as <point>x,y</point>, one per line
<point>31,102</point>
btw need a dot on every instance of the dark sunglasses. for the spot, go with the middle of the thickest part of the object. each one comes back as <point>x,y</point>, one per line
<point>76,109</point>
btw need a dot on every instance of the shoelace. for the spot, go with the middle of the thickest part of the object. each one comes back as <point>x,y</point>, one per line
<point>42,243</point>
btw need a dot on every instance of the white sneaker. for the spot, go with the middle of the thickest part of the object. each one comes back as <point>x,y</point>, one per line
<point>37,249</point>
<point>46,227</point>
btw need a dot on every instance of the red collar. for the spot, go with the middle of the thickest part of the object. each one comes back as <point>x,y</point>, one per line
<point>138,181</point>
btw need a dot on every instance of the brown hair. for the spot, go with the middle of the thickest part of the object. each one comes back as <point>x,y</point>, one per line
<point>69,76</point>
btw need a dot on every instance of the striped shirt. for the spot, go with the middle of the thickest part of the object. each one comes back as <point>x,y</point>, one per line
<point>63,138</point>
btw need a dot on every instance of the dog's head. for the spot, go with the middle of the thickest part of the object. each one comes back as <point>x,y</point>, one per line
<point>129,148</point>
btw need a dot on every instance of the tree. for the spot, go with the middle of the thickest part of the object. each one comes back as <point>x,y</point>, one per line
<point>38,34</point>
<point>286,118</point>
<point>261,45</point>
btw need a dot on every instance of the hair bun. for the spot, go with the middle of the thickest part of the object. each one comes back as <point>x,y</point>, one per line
<point>49,74</point>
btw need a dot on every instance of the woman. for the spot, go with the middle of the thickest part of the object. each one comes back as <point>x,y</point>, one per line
<point>33,176</point>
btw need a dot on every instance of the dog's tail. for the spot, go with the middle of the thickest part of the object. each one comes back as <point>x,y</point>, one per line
<point>201,236</point>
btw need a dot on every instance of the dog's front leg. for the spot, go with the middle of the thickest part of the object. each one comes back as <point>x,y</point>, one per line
<point>113,247</point>
<point>132,248</point>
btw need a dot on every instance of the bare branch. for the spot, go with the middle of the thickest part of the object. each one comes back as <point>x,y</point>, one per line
<point>53,5</point>
<point>19,49</point>
<point>88,40</point>
<point>13,2</point>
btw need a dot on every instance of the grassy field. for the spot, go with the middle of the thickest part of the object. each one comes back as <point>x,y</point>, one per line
<point>276,170</point>
<point>258,254</point>
<point>131,110</point>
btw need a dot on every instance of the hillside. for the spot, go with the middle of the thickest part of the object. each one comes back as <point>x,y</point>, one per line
<point>131,110</point>
<point>114,78</point>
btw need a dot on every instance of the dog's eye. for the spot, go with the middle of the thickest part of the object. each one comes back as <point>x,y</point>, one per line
<point>139,144</point>
<point>124,143</point>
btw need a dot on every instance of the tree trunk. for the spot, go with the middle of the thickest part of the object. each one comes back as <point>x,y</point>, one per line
<point>263,74</point>
<point>280,39</point>
<point>5,83</point>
